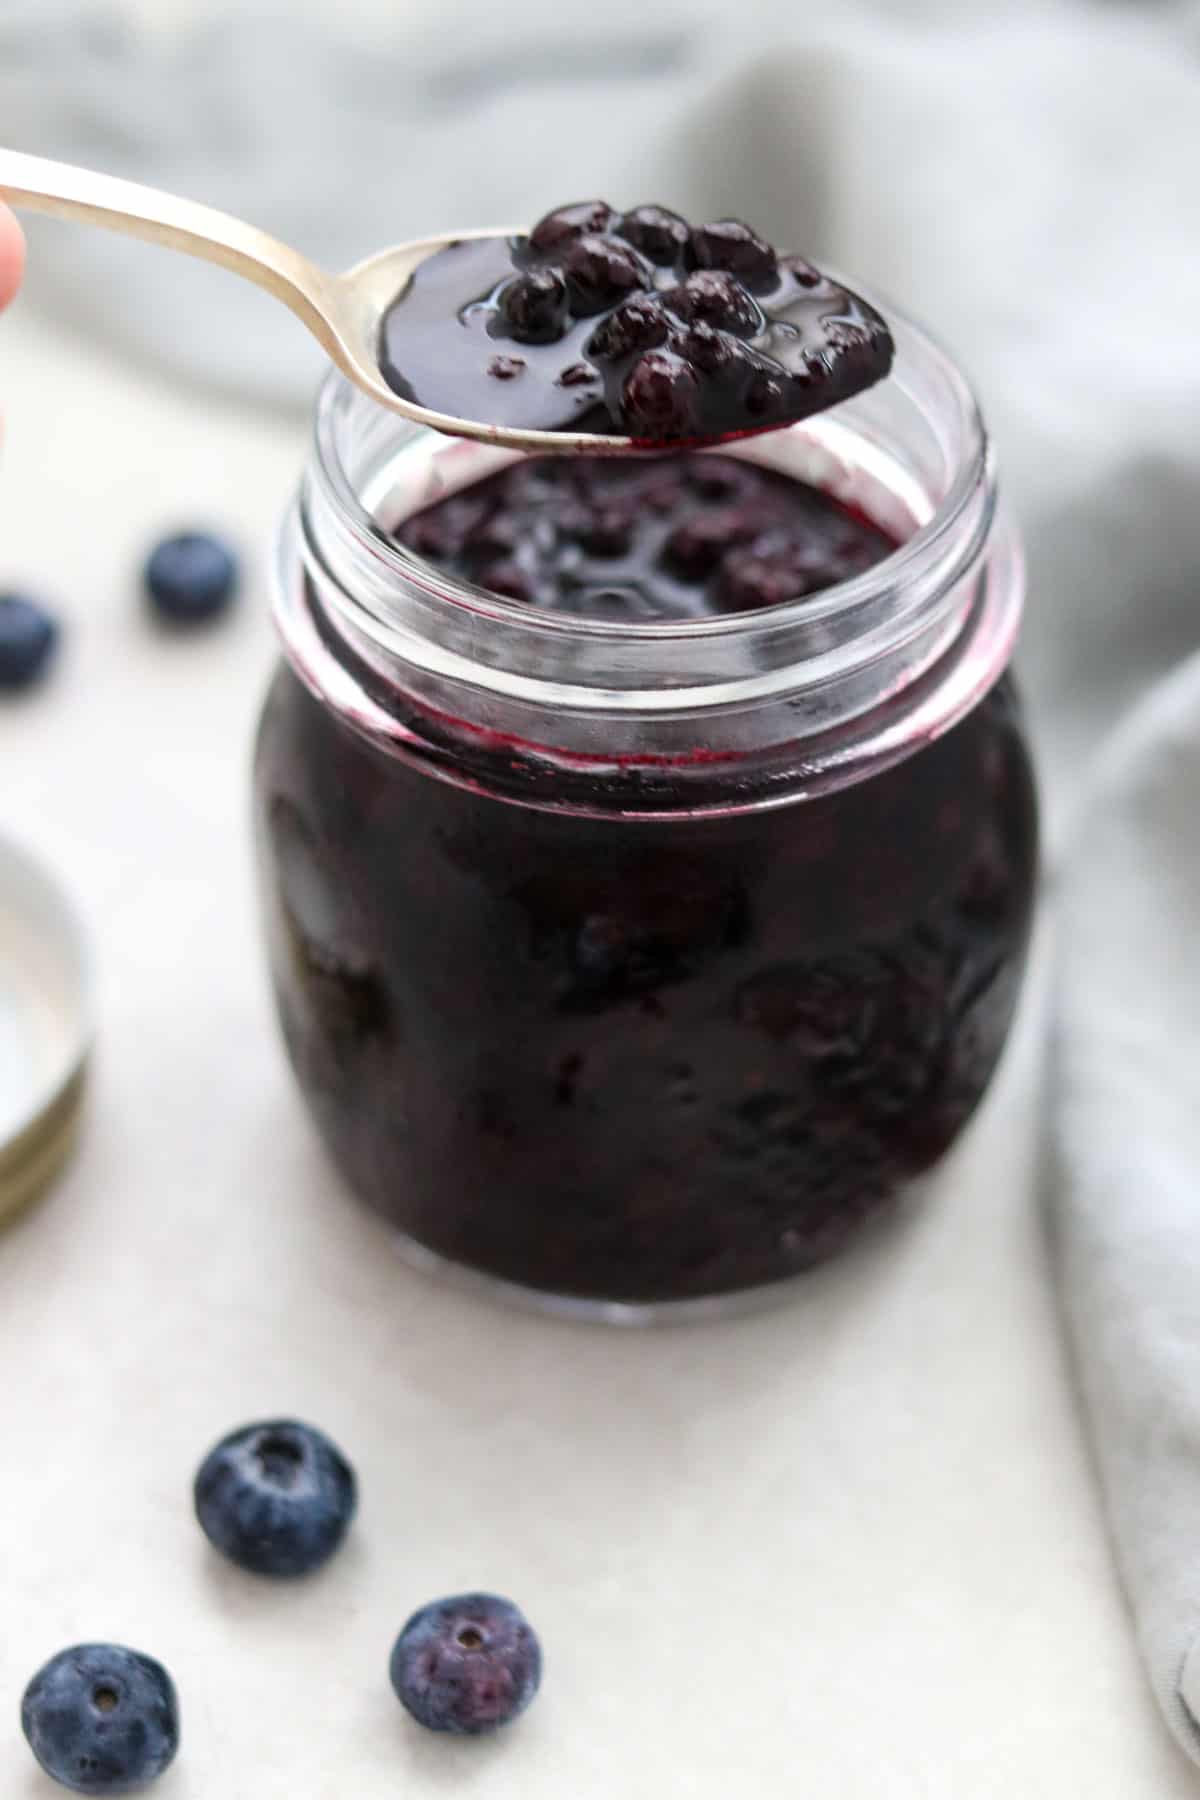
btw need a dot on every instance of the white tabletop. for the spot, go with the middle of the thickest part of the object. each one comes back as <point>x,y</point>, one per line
<point>848,1548</point>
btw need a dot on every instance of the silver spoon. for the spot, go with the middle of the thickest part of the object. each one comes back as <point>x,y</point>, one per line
<point>343,312</point>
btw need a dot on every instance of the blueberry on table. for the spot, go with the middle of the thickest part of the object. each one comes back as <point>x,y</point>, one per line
<point>191,578</point>
<point>28,636</point>
<point>466,1665</point>
<point>276,1498</point>
<point>102,1719</point>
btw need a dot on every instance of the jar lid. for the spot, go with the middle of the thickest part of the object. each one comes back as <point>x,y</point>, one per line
<point>45,1027</point>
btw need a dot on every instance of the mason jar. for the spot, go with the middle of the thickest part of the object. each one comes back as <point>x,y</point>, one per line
<point>636,967</point>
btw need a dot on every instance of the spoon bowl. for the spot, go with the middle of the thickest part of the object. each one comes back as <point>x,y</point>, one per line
<point>344,312</point>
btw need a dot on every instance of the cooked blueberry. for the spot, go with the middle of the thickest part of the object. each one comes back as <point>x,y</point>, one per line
<point>663,491</point>
<point>772,578</point>
<point>440,531</point>
<point>535,306</point>
<point>659,397</point>
<point>764,395</point>
<point>649,282</point>
<point>566,223</point>
<point>657,232</point>
<point>600,271</point>
<point>495,536</point>
<point>546,531</point>
<point>427,535</point>
<point>28,638</point>
<point>506,579</point>
<point>102,1719</point>
<point>466,1665</point>
<point>847,335</point>
<point>720,478</point>
<point>602,530</point>
<point>717,298</point>
<point>506,368</point>
<point>276,1498</point>
<point>694,548</point>
<point>802,270</point>
<point>728,244</point>
<point>191,578</point>
<point>637,324</point>
<point>706,348</point>
<point>600,950</point>
<point>753,581</point>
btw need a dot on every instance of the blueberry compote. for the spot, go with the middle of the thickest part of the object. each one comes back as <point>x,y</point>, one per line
<point>643,539</point>
<point>624,1057</point>
<point>636,323</point>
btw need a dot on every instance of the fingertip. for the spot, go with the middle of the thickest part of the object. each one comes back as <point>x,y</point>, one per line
<point>12,255</point>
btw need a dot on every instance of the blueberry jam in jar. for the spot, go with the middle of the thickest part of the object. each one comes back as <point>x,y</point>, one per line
<point>647,850</point>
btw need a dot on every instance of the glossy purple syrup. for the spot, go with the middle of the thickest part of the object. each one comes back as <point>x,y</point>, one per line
<point>643,539</point>
<point>637,323</point>
<point>640,1060</point>
<point>636,1059</point>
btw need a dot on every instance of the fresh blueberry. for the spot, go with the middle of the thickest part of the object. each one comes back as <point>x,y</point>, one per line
<point>466,1665</point>
<point>535,306</point>
<point>276,1498</point>
<point>657,232</point>
<point>638,324</point>
<point>28,636</point>
<point>566,223</point>
<point>728,244</point>
<point>660,396</point>
<point>191,578</point>
<point>102,1719</point>
<point>600,271</point>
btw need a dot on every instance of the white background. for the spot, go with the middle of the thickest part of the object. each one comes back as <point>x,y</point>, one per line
<point>850,1548</point>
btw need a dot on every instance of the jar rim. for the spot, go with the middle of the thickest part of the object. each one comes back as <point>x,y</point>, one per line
<point>338,398</point>
<point>826,685</point>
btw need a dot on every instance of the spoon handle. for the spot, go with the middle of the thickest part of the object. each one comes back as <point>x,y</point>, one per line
<point>44,186</point>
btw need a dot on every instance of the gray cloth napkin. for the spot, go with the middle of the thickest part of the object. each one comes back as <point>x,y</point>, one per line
<point>1025,179</point>
<point>1125,1175</point>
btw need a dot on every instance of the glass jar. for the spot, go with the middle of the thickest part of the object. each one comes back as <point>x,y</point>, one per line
<point>634,967</point>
